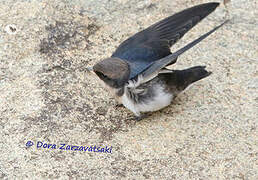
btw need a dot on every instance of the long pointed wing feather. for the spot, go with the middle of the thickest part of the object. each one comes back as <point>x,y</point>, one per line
<point>154,42</point>
<point>158,65</point>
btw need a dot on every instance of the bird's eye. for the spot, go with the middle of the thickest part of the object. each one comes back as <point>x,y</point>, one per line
<point>101,75</point>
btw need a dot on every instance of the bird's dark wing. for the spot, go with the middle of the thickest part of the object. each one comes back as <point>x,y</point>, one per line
<point>156,66</point>
<point>154,43</point>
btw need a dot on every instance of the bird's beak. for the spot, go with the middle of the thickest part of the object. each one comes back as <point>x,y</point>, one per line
<point>89,69</point>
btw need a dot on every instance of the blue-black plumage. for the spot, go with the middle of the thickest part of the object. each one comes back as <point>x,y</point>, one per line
<point>136,73</point>
<point>154,43</point>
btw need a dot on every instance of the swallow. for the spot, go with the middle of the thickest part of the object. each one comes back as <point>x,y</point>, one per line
<point>137,75</point>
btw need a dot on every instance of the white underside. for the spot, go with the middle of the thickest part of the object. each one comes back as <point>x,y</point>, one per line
<point>159,101</point>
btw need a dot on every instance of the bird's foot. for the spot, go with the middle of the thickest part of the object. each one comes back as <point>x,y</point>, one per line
<point>140,117</point>
<point>119,105</point>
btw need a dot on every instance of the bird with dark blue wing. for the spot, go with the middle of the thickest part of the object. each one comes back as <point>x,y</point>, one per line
<point>136,73</point>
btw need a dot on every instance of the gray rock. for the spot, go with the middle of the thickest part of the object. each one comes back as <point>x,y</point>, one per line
<point>47,95</point>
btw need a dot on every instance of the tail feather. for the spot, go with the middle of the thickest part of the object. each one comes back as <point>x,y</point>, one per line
<point>181,79</point>
<point>188,76</point>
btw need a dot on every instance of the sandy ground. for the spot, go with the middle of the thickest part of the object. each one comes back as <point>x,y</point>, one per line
<point>209,132</point>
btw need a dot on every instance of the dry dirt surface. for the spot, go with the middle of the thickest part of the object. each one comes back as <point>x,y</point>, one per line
<point>47,98</point>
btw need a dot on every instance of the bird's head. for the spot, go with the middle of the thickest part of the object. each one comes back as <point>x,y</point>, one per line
<point>113,71</point>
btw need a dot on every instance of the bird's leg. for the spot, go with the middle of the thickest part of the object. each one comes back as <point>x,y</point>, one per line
<point>140,117</point>
<point>118,105</point>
